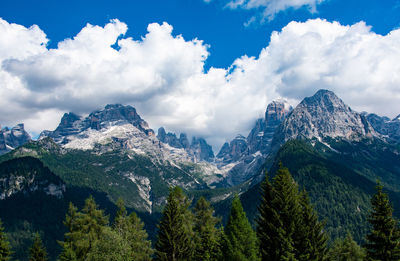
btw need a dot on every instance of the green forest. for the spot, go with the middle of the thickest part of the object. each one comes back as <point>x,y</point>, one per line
<point>286,227</point>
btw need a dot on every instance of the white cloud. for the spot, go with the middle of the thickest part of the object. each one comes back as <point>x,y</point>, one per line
<point>269,8</point>
<point>162,75</point>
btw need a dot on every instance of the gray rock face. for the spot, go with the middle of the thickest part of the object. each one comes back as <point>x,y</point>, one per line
<point>199,149</point>
<point>169,138</point>
<point>260,137</point>
<point>248,154</point>
<point>323,115</point>
<point>112,114</point>
<point>390,129</point>
<point>13,138</point>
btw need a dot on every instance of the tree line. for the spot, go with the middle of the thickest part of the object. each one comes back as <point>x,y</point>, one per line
<point>287,228</point>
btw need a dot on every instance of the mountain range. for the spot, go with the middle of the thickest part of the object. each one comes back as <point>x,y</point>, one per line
<point>334,152</point>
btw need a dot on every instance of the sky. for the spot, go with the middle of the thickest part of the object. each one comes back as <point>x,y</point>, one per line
<point>205,67</point>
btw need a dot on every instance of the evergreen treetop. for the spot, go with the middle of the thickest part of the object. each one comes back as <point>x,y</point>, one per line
<point>384,238</point>
<point>37,252</point>
<point>207,236</point>
<point>240,238</point>
<point>175,234</point>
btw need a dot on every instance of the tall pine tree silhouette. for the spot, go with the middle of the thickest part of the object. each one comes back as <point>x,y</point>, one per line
<point>175,235</point>
<point>240,238</point>
<point>384,239</point>
<point>131,229</point>
<point>207,235</point>
<point>37,252</point>
<point>287,226</point>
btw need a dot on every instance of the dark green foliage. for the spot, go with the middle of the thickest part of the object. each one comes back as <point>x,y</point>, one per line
<point>207,236</point>
<point>37,252</point>
<point>110,247</point>
<point>346,249</point>
<point>268,224</point>
<point>131,230</point>
<point>384,239</point>
<point>175,235</point>
<point>339,194</point>
<point>5,250</point>
<point>287,226</point>
<point>240,239</point>
<point>84,229</point>
<point>309,238</point>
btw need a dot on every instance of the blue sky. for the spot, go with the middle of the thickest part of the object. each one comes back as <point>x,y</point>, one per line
<point>205,67</point>
<point>219,26</point>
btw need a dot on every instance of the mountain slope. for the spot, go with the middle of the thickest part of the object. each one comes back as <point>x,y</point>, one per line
<point>338,192</point>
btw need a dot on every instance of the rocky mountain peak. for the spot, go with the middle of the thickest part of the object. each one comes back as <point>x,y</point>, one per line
<point>13,138</point>
<point>277,111</point>
<point>323,115</point>
<point>113,113</point>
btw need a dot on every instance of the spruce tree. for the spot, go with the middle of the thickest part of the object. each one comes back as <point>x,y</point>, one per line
<point>384,239</point>
<point>309,236</point>
<point>287,226</point>
<point>175,231</point>
<point>207,235</point>
<point>5,250</point>
<point>346,249</point>
<point>131,230</point>
<point>240,238</point>
<point>84,229</point>
<point>110,247</point>
<point>286,204</point>
<point>37,252</point>
<point>269,231</point>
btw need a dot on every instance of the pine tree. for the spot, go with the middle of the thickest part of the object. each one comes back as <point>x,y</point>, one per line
<point>37,252</point>
<point>384,239</point>
<point>286,204</point>
<point>131,230</point>
<point>110,247</point>
<point>346,249</point>
<point>309,236</point>
<point>269,231</point>
<point>5,250</point>
<point>207,235</point>
<point>287,226</point>
<point>240,238</point>
<point>175,232</point>
<point>84,229</point>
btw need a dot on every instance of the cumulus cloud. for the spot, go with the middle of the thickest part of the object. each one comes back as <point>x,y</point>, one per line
<point>269,8</point>
<point>163,76</point>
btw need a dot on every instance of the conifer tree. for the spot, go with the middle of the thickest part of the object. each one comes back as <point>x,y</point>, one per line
<point>5,250</point>
<point>269,230</point>
<point>131,230</point>
<point>287,226</point>
<point>84,229</point>
<point>110,247</point>
<point>207,235</point>
<point>175,234</point>
<point>384,239</point>
<point>286,204</point>
<point>37,252</point>
<point>309,236</point>
<point>346,249</point>
<point>240,238</point>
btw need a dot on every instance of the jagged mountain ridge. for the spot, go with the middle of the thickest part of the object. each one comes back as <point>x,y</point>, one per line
<point>199,149</point>
<point>390,129</point>
<point>13,138</point>
<point>320,116</point>
<point>247,155</point>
